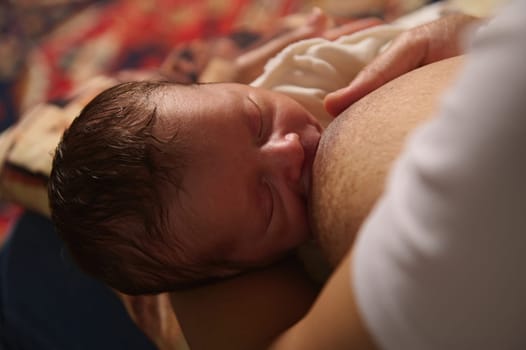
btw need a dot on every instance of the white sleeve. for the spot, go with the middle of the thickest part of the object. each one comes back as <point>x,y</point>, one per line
<point>441,261</point>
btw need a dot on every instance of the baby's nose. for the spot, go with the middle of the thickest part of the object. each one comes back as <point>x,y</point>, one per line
<point>285,156</point>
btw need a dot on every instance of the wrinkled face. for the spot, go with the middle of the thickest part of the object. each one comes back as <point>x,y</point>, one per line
<point>246,183</point>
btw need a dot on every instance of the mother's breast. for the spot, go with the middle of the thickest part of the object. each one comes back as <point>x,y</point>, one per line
<point>358,148</point>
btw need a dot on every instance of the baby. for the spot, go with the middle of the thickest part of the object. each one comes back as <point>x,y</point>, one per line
<point>157,186</point>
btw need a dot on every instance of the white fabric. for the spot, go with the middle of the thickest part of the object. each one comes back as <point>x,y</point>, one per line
<point>440,263</point>
<point>310,69</point>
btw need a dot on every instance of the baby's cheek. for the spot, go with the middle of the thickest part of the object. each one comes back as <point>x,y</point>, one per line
<point>299,230</point>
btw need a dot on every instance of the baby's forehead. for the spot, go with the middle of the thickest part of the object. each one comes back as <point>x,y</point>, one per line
<point>192,98</point>
<point>174,100</point>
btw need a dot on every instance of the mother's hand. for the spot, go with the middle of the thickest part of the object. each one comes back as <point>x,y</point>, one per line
<point>427,43</point>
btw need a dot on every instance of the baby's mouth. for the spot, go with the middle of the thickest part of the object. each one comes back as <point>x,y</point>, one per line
<point>310,143</point>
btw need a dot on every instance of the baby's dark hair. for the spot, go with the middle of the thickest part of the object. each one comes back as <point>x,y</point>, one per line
<point>111,185</point>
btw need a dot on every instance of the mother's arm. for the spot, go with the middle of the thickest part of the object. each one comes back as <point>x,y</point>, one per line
<point>253,310</point>
<point>245,312</point>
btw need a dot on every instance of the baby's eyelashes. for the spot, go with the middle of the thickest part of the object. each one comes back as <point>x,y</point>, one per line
<point>269,201</point>
<point>259,121</point>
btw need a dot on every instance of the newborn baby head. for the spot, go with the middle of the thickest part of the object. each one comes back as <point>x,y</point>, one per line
<point>157,186</point>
